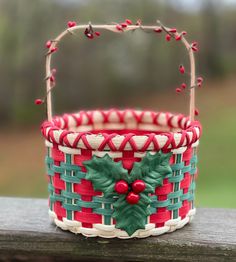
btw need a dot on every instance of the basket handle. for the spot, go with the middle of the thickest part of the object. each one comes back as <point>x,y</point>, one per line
<point>114,29</point>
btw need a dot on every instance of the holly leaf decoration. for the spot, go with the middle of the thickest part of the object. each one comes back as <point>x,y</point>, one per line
<point>131,217</point>
<point>104,173</point>
<point>152,170</point>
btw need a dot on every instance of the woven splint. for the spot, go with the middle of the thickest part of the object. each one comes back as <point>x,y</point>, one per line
<point>121,173</point>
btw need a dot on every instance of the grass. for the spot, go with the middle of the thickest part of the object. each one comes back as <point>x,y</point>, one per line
<point>22,170</point>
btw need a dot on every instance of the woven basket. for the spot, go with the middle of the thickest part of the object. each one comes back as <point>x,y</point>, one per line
<point>121,173</point>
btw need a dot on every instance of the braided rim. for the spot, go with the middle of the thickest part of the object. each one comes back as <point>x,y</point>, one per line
<point>182,132</point>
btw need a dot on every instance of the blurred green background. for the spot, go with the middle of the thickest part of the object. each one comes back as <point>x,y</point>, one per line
<point>101,72</point>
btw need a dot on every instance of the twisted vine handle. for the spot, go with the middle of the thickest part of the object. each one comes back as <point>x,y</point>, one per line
<point>113,28</point>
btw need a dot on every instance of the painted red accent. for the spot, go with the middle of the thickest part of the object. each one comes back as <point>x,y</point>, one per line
<point>38,101</point>
<point>128,21</point>
<point>158,30</point>
<point>132,198</point>
<point>71,24</point>
<point>121,187</point>
<point>48,44</point>
<point>168,37</point>
<point>138,186</point>
<point>181,69</point>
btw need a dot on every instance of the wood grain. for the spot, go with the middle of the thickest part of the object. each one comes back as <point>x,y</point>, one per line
<point>26,231</point>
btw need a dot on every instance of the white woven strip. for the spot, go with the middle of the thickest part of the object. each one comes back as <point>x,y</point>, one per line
<point>109,231</point>
<point>74,151</point>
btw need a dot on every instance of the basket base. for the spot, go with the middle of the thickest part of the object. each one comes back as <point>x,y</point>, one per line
<point>104,231</point>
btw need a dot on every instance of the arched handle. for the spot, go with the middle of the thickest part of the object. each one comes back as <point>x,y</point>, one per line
<point>114,28</point>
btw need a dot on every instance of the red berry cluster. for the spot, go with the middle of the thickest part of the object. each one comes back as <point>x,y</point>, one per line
<point>71,24</point>
<point>89,33</point>
<point>133,191</point>
<point>123,25</point>
<point>170,33</point>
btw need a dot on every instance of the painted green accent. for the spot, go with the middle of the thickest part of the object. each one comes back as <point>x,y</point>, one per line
<point>177,174</point>
<point>104,173</point>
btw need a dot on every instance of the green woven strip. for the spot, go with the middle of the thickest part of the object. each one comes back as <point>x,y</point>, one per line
<point>107,216</point>
<point>68,174</point>
<point>177,174</point>
<point>158,204</point>
<point>55,197</point>
<point>176,178</point>
<point>48,167</point>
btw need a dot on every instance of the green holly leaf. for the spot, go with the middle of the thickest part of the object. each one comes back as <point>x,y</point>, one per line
<point>104,173</point>
<point>152,170</point>
<point>131,217</point>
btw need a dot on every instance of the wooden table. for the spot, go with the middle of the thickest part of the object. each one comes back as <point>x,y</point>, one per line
<point>26,234</point>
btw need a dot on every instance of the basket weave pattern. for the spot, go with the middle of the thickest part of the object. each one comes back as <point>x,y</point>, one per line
<point>73,139</point>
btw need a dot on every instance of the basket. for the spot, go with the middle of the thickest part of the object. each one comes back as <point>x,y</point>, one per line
<point>121,173</point>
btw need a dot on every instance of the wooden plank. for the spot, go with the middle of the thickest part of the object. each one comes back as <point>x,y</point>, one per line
<point>25,231</point>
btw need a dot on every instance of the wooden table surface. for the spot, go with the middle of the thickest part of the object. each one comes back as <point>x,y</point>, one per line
<point>27,234</point>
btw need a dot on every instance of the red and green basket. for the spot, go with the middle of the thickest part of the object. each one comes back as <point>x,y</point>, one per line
<point>121,173</point>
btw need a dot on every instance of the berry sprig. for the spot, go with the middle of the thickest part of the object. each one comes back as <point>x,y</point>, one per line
<point>170,32</point>
<point>132,191</point>
<point>52,80</point>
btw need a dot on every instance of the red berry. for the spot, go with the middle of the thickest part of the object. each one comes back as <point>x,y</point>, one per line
<point>173,30</point>
<point>183,85</point>
<point>181,69</point>
<point>53,71</point>
<point>128,21</point>
<point>178,37</point>
<point>119,27</point>
<point>138,186</point>
<point>90,36</point>
<point>71,24</point>
<point>158,30</point>
<point>48,44</point>
<point>38,101</point>
<point>123,25</point>
<point>194,48</point>
<point>121,187</point>
<point>52,78</point>
<point>199,79</point>
<point>199,84</point>
<point>97,33</point>
<point>194,43</point>
<point>168,37</point>
<point>178,90</point>
<point>196,112</point>
<point>54,49</point>
<point>183,33</point>
<point>132,198</point>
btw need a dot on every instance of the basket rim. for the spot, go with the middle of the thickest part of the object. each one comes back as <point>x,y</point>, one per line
<point>56,131</point>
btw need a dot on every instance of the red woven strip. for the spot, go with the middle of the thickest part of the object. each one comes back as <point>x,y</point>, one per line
<point>59,210</point>
<point>160,218</point>
<point>183,211</point>
<point>84,156</point>
<point>87,219</point>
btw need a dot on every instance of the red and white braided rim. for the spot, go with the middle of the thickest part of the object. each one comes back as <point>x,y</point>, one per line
<point>119,130</point>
